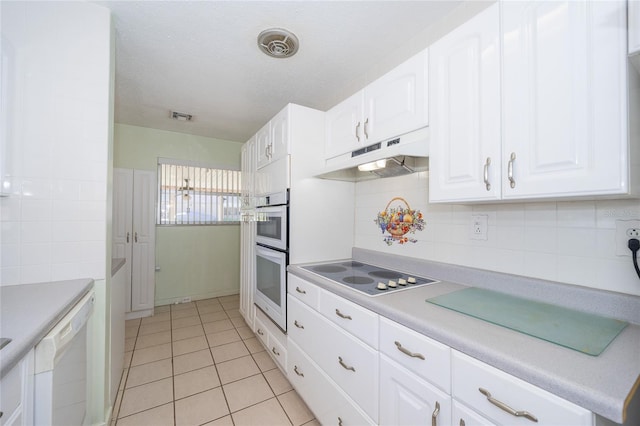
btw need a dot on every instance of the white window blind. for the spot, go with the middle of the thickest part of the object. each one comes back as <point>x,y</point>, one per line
<point>193,194</point>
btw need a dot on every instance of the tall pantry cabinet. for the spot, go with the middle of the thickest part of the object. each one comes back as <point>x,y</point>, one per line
<point>134,236</point>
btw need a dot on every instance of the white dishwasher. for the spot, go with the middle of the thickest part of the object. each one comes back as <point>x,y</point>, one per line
<point>61,369</point>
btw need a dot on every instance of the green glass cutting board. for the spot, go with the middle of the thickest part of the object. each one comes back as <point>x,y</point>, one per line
<point>583,332</point>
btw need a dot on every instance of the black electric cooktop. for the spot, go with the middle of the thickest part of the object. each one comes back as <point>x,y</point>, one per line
<point>369,279</point>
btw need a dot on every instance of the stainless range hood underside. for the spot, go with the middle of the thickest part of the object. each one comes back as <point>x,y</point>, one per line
<point>396,166</point>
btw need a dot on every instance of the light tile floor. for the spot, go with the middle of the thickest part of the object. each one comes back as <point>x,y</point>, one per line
<point>199,363</point>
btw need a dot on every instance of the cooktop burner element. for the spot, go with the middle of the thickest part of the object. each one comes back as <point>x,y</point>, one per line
<point>369,279</point>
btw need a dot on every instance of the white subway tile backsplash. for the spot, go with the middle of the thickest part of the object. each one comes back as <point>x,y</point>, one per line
<point>35,254</point>
<point>9,255</point>
<point>36,232</point>
<point>36,210</point>
<point>577,241</point>
<point>10,232</point>
<point>10,209</point>
<point>577,214</point>
<point>9,276</point>
<point>35,274</point>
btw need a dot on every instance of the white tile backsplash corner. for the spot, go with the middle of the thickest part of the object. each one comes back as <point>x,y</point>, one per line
<point>35,274</point>
<point>64,271</point>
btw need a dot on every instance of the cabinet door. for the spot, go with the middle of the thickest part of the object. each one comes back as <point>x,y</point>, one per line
<point>279,135</point>
<point>263,145</point>
<point>464,416</point>
<point>634,26</point>
<point>564,98</point>
<point>122,225</point>
<point>464,93</point>
<point>248,168</point>
<point>143,265</point>
<point>247,257</point>
<point>407,400</point>
<point>396,103</point>
<point>344,126</point>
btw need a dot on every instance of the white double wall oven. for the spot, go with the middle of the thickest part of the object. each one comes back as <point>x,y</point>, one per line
<point>272,256</point>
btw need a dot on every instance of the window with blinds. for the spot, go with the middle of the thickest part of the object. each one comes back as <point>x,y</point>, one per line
<point>192,194</point>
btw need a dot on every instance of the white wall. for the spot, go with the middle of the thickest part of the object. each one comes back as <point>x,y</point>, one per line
<point>54,221</point>
<point>569,242</point>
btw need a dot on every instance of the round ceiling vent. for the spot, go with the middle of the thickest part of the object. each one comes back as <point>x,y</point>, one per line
<point>278,43</point>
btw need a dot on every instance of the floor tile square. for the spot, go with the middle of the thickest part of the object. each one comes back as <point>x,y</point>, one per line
<point>157,317</point>
<point>155,327</point>
<point>150,372</point>
<point>295,408</point>
<point>246,392</point>
<point>211,308</point>
<point>236,369</point>
<point>162,309</point>
<point>230,298</point>
<point>153,353</point>
<point>233,313</point>
<point>229,306</point>
<point>132,322</point>
<point>195,381</point>
<point>264,361</point>
<point>185,322</point>
<point>245,332</point>
<point>207,302</point>
<point>278,382</point>
<point>131,331</point>
<point>229,351</point>
<point>192,361</point>
<point>184,313</point>
<point>201,408</point>
<point>158,416</point>
<point>224,421</point>
<point>193,344</point>
<point>217,326</point>
<point>254,345</point>
<point>127,359</point>
<point>129,344</point>
<point>187,332</point>
<point>146,396</point>
<point>153,339</point>
<point>223,337</point>
<point>180,306</point>
<point>268,412</point>
<point>213,316</point>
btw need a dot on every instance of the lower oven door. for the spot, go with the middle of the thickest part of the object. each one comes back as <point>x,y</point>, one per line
<point>271,284</point>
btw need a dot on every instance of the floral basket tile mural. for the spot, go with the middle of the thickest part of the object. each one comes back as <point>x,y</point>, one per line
<point>399,221</point>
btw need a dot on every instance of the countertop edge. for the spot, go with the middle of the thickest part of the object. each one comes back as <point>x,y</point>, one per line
<point>10,356</point>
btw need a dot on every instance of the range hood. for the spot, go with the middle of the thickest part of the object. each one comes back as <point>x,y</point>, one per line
<point>393,157</point>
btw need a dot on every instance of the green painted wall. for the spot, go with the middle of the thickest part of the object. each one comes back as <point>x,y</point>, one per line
<point>194,261</point>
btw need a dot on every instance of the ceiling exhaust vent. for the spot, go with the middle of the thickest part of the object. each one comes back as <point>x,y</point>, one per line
<point>181,116</point>
<point>278,43</point>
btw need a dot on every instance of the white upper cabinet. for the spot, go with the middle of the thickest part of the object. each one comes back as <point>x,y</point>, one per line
<point>263,145</point>
<point>272,139</point>
<point>464,96</point>
<point>394,104</point>
<point>634,26</point>
<point>562,97</point>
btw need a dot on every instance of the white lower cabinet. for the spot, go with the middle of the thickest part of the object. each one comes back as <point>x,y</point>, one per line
<point>465,416</point>
<point>407,400</point>
<point>507,400</point>
<point>273,339</point>
<point>17,393</point>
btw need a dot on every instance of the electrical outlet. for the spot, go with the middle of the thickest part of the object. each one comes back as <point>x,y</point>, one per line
<point>479,225</point>
<point>625,230</point>
<point>186,300</point>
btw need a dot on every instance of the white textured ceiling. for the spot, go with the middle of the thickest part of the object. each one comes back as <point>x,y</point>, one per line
<point>201,57</point>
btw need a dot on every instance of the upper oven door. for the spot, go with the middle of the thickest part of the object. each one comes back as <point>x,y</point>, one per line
<point>271,227</point>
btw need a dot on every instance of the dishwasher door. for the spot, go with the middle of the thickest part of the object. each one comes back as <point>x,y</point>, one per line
<point>61,369</point>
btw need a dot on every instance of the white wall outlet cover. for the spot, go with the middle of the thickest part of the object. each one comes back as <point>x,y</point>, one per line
<point>625,230</point>
<point>479,226</point>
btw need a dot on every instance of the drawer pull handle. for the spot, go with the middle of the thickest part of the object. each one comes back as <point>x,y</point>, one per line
<point>504,407</point>
<point>487,184</point>
<point>298,324</point>
<point>339,421</point>
<point>462,423</point>
<point>300,291</point>
<point>512,180</point>
<point>407,352</point>
<point>295,368</point>
<point>260,332</point>
<point>341,315</point>
<point>345,366</point>
<point>357,135</point>
<point>434,415</point>
<point>273,349</point>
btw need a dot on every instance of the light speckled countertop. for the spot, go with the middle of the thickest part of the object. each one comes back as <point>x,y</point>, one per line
<point>29,311</point>
<point>604,384</point>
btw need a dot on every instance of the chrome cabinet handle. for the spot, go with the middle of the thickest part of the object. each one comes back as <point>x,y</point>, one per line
<point>486,174</point>
<point>462,423</point>
<point>297,324</point>
<point>345,366</point>
<point>339,421</point>
<point>366,124</point>
<point>300,291</point>
<point>407,352</point>
<point>273,349</point>
<point>512,181</point>
<point>341,315</point>
<point>504,407</point>
<point>358,131</point>
<point>260,332</point>
<point>295,369</point>
<point>128,236</point>
<point>434,415</point>
<point>135,237</point>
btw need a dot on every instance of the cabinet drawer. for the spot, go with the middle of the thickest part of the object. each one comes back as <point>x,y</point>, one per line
<point>471,375</point>
<point>261,330</point>
<point>421,355</point>
<point>278,352</point>
<point>353,318</point>
<point>328,402</point>
<point>303,291</point>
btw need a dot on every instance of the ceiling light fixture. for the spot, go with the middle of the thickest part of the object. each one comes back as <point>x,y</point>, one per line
<point>278,43</point>
<point>181,116</point>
